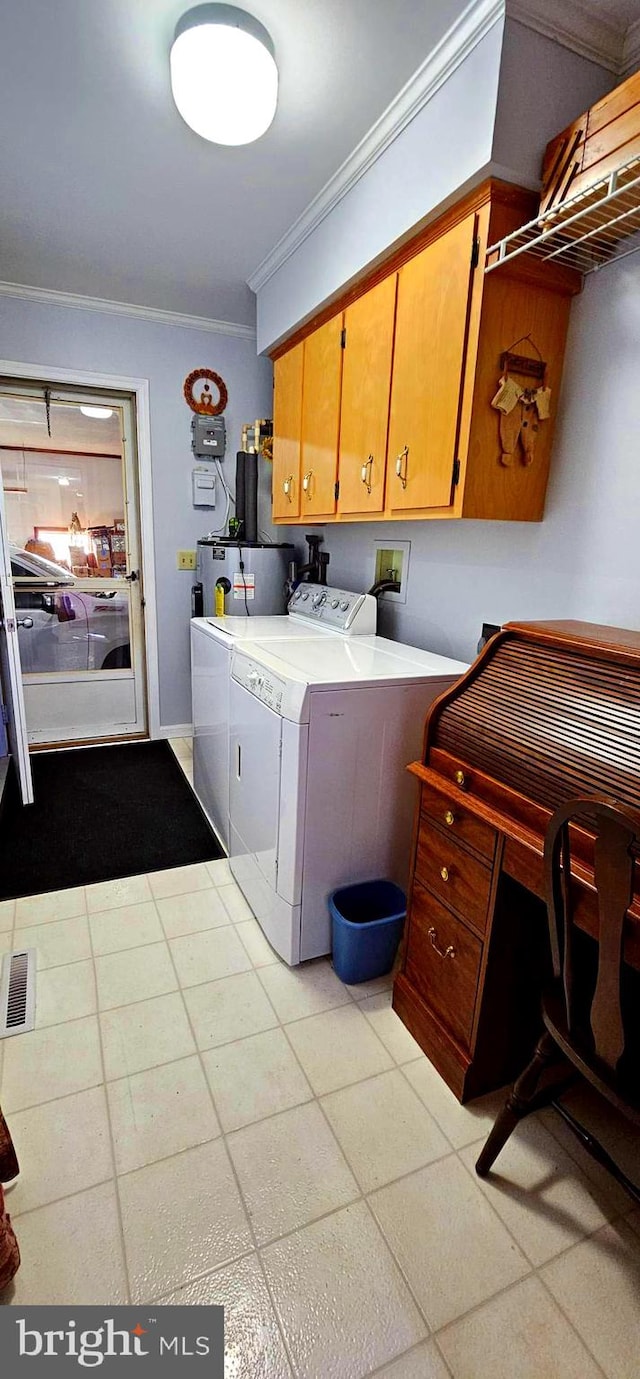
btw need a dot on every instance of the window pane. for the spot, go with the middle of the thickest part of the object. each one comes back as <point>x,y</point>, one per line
<point>64,493</point>
<point>73,629</point>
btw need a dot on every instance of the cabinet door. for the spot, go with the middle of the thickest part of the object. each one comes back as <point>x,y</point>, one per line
<point>366,383</point>
<point>287,431</point>
<point>321,418</point>
<point>428,361</point>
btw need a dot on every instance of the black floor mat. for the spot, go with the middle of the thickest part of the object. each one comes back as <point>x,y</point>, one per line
<point>100,813</point>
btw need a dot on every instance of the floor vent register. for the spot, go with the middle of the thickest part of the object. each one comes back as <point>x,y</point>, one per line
<point>18,992</point>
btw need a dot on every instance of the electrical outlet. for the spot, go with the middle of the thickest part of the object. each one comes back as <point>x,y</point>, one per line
<point>186,560</point>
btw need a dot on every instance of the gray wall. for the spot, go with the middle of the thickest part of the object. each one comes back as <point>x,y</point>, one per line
<point>543,87</point>
<point>583,560</point>
<point>446,145</point>
<point>50,335</point>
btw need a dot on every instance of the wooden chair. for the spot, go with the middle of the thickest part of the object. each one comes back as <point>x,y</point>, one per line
<point>590,1009</point>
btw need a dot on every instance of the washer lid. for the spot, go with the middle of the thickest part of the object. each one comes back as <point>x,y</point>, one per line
<point>336,661</point>
<point>257,629</point>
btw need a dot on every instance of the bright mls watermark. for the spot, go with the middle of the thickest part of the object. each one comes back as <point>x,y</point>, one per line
<point>182,1340</point>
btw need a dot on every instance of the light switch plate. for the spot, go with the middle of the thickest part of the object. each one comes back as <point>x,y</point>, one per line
<point>186,560</point>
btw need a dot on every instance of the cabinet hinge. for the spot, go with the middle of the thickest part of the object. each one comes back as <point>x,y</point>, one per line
<point>343,338</point>
<point>336,490</point>
<point>455,478</point>
<point>475,252</point>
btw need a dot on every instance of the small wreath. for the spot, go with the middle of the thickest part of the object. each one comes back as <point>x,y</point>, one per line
<point>206,406</point>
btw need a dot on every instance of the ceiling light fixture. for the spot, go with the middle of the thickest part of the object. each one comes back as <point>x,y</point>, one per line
<point>100,413</point>
<point>224,76</point>
<point>64,483</point>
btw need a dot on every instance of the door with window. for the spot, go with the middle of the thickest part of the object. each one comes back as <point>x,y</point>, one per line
<point>69,475</point>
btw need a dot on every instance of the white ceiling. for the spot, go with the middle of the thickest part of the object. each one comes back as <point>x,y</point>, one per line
<point>23,422</point>
<point>107,193</point>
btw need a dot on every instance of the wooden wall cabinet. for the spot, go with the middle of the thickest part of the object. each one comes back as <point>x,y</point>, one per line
<point>396,419</point>
<point>287,432</point>
<point>428,364</point>
<point>321,388</point>
<point>366,384</point>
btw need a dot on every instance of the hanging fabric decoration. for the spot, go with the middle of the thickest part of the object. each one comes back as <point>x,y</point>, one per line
<point>521,407</point>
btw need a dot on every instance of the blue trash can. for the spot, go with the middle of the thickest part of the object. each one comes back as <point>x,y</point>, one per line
<point>367,922</point>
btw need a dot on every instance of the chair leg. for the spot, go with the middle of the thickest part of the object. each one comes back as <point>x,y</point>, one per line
<point>518,1104</point>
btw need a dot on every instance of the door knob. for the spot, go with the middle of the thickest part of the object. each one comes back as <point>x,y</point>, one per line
<point>131,579</point>
<point>24,622</point>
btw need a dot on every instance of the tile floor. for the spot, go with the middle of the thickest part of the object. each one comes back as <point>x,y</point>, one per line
<point>198,1123</point>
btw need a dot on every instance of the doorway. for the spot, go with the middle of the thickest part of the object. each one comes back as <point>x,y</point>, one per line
<point>69,465</point>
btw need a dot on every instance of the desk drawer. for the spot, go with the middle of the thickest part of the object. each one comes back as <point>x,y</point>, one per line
<point>459,879</point>
<point>459,821</point>
<point>442,963</point>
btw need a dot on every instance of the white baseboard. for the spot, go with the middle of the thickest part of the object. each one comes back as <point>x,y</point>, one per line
<point>176,730</point>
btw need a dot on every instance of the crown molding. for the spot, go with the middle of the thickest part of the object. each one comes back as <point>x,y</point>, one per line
<point>449,53</point>
<point>631,52</point>
<point>46,296</point>
<point>575,27</point>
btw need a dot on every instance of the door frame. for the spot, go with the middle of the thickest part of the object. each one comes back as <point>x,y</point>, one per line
<point>139,390</point>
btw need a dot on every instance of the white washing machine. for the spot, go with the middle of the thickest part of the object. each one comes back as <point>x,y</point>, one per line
<point>314,611</point>
<point>321,731</point>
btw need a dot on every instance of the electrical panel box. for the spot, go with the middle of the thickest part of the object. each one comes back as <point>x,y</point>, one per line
<point>208,437</point>
<point>204,488</point>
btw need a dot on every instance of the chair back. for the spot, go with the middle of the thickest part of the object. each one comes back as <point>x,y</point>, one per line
<point>617,835</point>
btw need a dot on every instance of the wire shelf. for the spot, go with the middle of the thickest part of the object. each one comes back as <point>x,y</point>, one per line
<point>585,232</point>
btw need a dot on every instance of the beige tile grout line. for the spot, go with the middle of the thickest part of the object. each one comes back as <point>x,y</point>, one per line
<point>237,1183</point>
<point>125,1261</point>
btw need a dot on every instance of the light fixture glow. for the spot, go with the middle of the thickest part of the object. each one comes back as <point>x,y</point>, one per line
<point>100,413</point>
<point>224,76</point>
<point>64,483</point>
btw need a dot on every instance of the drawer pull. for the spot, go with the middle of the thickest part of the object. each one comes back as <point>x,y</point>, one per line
<point>287,486</point>
<point>444,872</point>
<point>448,952</point>
<point>449,818</point>
<point>460,779</point>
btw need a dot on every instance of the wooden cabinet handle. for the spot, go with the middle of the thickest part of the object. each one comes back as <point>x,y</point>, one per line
<point>449,817</point>
<point>448,952</point>
<point>287,486</point>
<point>306,483</point>
<point>402,464</point>
<point>365,473</point>
<point>444,872</point>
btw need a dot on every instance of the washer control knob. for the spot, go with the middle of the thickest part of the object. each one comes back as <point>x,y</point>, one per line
<point>305,594</point>
<point>297,595</point>
<point>334,603</point>
<point>344,607</point>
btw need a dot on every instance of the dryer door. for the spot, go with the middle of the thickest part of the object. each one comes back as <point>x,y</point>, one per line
<point>255,746</point>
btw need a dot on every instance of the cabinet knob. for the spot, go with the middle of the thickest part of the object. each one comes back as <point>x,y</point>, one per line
<point>449,817</point>
<point>448,952</point>
<point>444,872</point>
<point>460,779</point>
